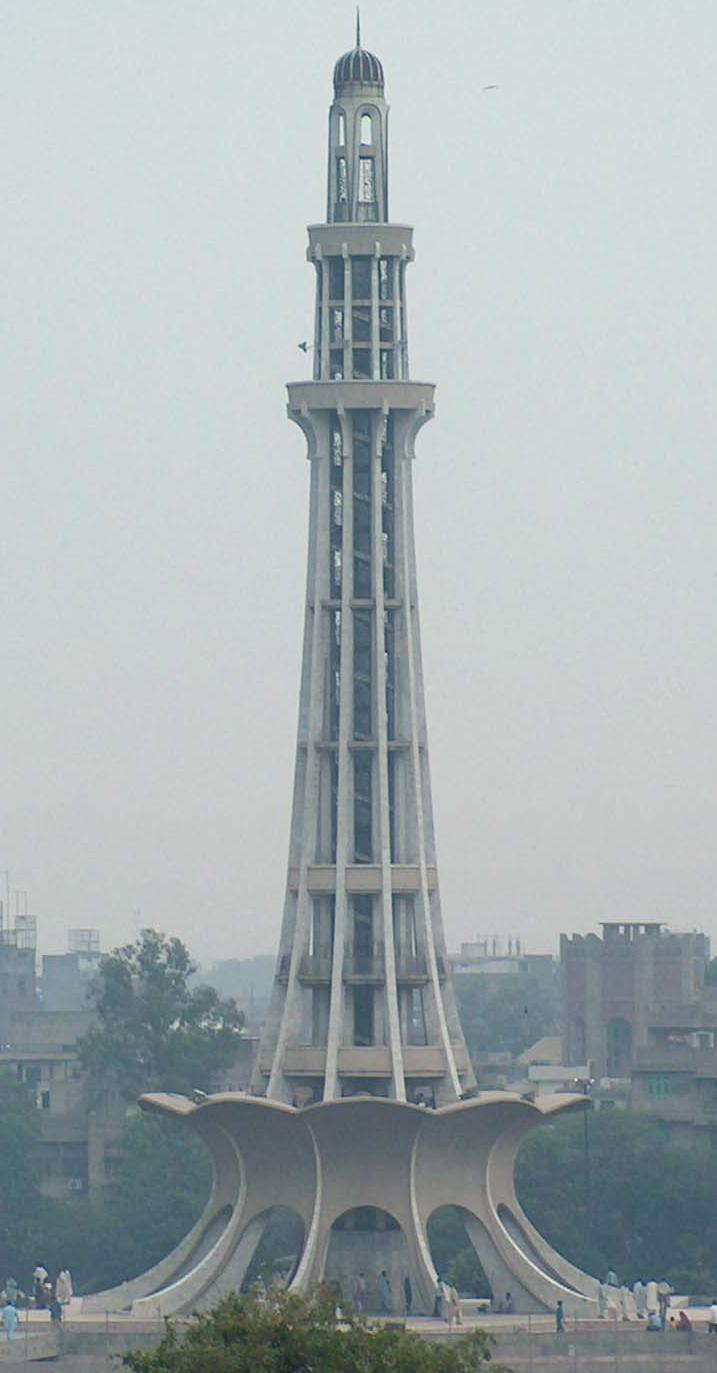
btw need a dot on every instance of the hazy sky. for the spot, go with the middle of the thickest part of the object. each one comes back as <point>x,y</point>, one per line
<point>160,160</point>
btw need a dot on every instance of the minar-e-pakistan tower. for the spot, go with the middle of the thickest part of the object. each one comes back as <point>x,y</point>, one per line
<point>362,998</point>
<point>364,1115</point>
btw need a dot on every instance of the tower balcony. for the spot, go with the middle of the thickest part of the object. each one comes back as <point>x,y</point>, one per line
<point>420,1061</point>
<point>365,965</point>
<point>315,968</point>
<point>305,396</point>
<point>363,877</point>
<point>330,240</point>
<point>412,969</point>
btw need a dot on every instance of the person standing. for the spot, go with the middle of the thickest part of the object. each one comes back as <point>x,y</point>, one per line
<point>63,1287</point>
<point>712,1327</point>
<point>438,1301</point>
<point>454,1307</point>
<point>359,1294</point>
<point>9,1319</point>
<point>12,1290</point>
<point>384,1293</point>
<point>640,1296</point>
<point>39,1278</point>
<point>664,1292</point>
<point>446,1301</point>
<point>407,1294</point>
<point>602,1300</point>
<point>652,1302</point>
<point>559,1318</point>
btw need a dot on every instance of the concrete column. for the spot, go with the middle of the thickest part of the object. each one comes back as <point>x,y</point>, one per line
<point>344,818</point>
<point>322,353</point>
<point>384,836</point>
<point>375,354</point>
<point>423,911</point>
<point>295,941</point>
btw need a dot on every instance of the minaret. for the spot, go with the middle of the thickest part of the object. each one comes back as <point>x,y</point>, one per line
<point>362,999</point>
<point>362,1005</point>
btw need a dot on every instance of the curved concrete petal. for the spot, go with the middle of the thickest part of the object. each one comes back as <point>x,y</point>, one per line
<point>339,1156</point>
<point>477,1142</point>
<point>216,1216</point>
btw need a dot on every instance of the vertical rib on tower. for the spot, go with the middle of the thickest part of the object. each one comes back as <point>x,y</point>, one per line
<point>362,998</point>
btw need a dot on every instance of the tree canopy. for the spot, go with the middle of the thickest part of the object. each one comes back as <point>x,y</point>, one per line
<point>292,1334</point>
<point>21,1199</point>
<point>648,1211</point>
<point>155,1031</point>
<point>506,1013</point>
<point>161,1186</point>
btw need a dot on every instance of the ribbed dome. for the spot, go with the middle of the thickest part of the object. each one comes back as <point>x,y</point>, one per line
<point>359,68</point>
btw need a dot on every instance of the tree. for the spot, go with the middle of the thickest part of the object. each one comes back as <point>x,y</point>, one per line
<point>291,1334</point>
<point>155,1031</point>
<point>161,1187</point>
<point>651,1207</point>
<point>160,1190</point>
<point>23,1207</point>
<point>505,1013</point>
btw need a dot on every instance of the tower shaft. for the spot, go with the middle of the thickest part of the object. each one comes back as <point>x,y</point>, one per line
<point>362,998</point>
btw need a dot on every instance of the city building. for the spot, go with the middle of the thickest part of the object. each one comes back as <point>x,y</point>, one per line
<point>612,985</point>
<point>42,1020</point>
<point>497,956</point>
<point>637,1015</point>
<point>66,977</point>
<point>674,1076</point>
<point>18,982</point>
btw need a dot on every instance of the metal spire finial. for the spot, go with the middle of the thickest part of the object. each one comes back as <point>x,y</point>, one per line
<point>358,27</point>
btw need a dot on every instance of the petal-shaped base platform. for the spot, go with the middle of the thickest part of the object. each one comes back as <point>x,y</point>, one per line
<point>328,1159</point>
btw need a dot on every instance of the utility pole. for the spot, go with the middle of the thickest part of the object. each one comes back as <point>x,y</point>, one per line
<point>585,1085</point>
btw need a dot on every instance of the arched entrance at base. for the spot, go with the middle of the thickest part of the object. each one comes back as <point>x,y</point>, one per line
<point>454,1257</point>
<point>363,1243</point>
<point>277,1254</point>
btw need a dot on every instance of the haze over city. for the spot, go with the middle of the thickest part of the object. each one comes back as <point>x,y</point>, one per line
<point>556,160</point>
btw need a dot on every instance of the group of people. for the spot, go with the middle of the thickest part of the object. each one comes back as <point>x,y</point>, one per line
<point>446,1303</point>
<point>648,1301</point>
<point>45,1296</point>
<point>384,1293</point>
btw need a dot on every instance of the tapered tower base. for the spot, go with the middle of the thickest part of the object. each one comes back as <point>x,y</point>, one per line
<point>365,1175</point>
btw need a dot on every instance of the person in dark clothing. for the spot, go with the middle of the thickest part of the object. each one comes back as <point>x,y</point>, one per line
<point>407,1294</point>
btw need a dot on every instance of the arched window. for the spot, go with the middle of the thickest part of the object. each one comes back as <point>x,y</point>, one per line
<point>366,129</point>
<point>342,128</point>
<point>619,1047</point>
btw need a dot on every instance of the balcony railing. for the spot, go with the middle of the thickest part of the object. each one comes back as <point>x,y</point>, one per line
<point>359,963</point>
<point>315,967</point>
<point>366,964</point>
<point>411,968</point>
<point>676,1058</point>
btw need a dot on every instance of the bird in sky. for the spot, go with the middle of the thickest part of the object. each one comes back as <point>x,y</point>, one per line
<point>491,88</point>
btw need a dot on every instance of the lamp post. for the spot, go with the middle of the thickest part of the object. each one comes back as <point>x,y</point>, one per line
<point>585,1085</point>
